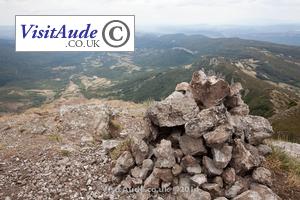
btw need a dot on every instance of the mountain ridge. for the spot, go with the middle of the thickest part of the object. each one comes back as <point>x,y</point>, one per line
<point>269,72</point>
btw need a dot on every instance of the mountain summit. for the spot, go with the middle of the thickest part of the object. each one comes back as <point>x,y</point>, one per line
<point>198,143</point>
<point>202,139</point>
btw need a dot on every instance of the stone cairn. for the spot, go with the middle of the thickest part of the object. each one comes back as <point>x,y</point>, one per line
<point>202,144</point>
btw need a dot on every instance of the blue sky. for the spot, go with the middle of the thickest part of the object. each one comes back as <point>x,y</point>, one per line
<point>165,12</point>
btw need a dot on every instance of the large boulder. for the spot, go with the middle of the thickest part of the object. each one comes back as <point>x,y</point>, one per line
<point>242,110</point>
<point>123,164</point>
<point>262,175</point>
<point>213,188</point>
<point>152,182</point>
<point>210,167</point>
<point>218,136</point>
<point>143,171</point>
<point>258,124</point>
<point>181,190</point>
<point>256,137</point>
<point>176,169</point>
<point>218,180</point>
<point>191,165</point>
<point>229,176</point>
<point>264,192</point>
<point>237,188</point>
<point>177,109</point>
<point>183,87</point>
<point>206,120</point>
<point>264,149</point>
<point>163,174</point>
<point>139,149</point>
<point>255,128</point>
<point>242,159</point>
<point>164,154</point>
<point>233,101</point>
<point>199,179</point>
<point>208,90</point>
<point>236,105</point>
<point>192,146</point>
<point>222,156</point>
<point>235,89</point>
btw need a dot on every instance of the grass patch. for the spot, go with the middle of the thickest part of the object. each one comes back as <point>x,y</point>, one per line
<point>287,126</point>
<point>65,153</point>
<point>55,138</point>
<point>285,137</point>
<point>123,146</point>
<point>279,161</point>
<point>115,128</point>
<point>105,135</point>
<point>2,146</point>
<point>149,102</point>
<point>115,124</point>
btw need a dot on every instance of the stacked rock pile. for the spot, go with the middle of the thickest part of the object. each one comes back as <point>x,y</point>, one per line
<point>203,144</point>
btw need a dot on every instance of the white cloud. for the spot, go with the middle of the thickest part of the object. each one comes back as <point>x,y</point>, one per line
<point>164,12</point>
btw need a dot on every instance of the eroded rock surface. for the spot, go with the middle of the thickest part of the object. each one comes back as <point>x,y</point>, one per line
<point>175,110</point>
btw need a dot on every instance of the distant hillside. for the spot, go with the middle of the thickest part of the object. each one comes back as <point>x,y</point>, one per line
<point>287,125</point>
<point>270,73</point>
<point>288,34</point>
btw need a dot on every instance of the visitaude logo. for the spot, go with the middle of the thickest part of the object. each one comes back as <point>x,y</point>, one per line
<point>75,33</point>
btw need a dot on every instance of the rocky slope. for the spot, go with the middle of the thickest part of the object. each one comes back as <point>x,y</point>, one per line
<point>81,149</point>
<point>56,152</point>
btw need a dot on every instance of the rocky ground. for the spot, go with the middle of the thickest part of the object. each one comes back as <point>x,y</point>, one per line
<point>68,150</point>
<point>55,152</point>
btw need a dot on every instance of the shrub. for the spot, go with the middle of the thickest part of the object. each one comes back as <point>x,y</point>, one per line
<point>279,161</point>
<point>65,152</point>
<point>115,127</point>
<point>118,150</point>
<point>55,137</point>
